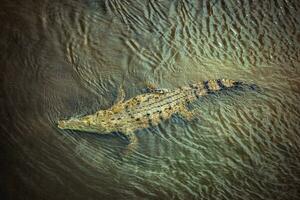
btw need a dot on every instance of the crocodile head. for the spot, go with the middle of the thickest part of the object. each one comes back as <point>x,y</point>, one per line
<point>87,123</point>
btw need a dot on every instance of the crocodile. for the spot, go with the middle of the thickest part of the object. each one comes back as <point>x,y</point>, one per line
<point>146,110</point>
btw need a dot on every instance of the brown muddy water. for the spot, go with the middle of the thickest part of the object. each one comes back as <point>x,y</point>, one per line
<point>67,58</point>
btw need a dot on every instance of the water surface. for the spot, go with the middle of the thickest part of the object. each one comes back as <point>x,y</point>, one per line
<point>68,58</point>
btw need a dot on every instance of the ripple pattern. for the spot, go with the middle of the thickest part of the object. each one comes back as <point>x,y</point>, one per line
<point>68,58</point>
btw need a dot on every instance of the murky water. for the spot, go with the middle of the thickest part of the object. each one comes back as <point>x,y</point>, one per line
<point>68,58</point>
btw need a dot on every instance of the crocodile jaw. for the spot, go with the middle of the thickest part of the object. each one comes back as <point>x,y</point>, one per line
<point>79,125</point>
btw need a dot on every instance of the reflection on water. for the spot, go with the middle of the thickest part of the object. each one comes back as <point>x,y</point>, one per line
<point>65,58</point>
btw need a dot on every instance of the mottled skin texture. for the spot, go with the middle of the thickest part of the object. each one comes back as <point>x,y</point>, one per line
<point>145,110</point>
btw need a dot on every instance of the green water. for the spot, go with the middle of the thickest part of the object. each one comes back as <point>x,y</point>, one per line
<point>67,58</point>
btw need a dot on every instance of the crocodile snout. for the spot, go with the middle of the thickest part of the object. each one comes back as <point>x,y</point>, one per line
<point>61,124</point>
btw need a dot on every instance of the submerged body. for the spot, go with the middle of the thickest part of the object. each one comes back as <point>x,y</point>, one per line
<point>145,110</point>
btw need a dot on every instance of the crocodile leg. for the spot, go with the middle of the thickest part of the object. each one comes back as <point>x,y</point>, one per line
<point>121,95</point>
<point>185,113</point>
<point>119,100</point>
<point>133,142</point>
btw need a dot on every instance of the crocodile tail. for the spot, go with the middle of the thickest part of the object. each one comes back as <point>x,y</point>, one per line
<point>211,86</point>
<point>228,83</point>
